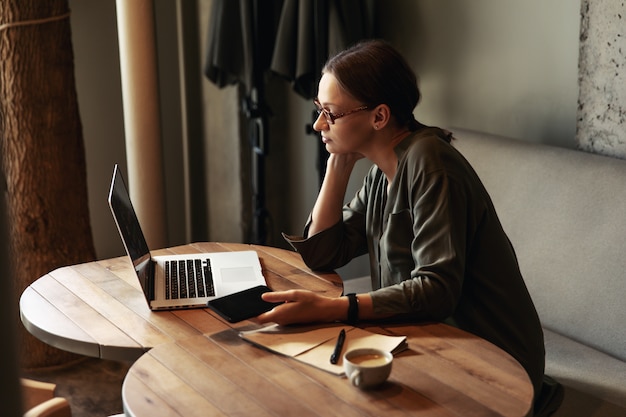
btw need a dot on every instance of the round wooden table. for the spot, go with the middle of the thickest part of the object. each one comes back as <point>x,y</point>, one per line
<point>98,309</point>
<point>445,372</point>
<point>192,362</point>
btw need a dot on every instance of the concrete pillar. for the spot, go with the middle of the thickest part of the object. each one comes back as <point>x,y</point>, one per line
<point>601,125</point>
<point>140,94</point>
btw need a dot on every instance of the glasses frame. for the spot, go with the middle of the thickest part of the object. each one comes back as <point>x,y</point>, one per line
<point>330,116</point>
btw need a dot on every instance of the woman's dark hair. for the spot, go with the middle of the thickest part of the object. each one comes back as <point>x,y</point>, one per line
<point>375,73</point>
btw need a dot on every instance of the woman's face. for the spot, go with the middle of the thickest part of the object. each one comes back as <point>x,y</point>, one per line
<point>349,133</point>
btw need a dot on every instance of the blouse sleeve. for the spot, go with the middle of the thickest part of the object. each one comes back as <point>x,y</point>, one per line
<point>336,246</point>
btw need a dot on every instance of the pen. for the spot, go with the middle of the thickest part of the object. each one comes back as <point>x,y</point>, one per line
<point>334,358</point>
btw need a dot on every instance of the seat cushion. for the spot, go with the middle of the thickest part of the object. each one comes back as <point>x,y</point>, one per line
<point>357,285</point>
<point>564,213</point>
<point>586,372</point>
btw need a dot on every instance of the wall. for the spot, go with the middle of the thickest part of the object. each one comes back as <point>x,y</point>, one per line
<point>508,68</point>
<point>502,67</point>
<point>96,64</point>
<point>98,84</point>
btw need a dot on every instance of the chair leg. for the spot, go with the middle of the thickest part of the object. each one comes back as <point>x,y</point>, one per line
<point>35,392</point>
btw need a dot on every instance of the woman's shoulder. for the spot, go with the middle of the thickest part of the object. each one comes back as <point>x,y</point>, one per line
<point>430,151</point>
<point>425,143</point>
<point>432,135</point>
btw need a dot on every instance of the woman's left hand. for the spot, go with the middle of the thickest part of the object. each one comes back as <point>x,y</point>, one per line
<point>301,306</point>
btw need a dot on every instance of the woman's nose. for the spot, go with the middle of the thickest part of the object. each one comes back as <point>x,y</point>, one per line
<point>320,123</point>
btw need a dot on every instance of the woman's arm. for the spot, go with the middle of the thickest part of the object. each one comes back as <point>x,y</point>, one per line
<point>328,206</point>
<point>302,306</point>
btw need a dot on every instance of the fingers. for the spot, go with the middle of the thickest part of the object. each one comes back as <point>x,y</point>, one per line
<point>290,311</point>
<point>276,315</point>
<point>279,296</point>
<point>264,317</point>
<point>288,296</point>
<point>279,315</point>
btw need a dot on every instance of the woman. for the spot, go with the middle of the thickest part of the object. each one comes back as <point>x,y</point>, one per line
<point>437,249</point>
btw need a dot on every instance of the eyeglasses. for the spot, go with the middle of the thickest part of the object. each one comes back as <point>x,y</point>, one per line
<point>330,116</point>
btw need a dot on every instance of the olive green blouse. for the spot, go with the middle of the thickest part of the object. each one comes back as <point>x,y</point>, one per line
<point>437,249</point>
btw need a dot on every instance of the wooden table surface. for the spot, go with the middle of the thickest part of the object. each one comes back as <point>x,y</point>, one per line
<point>98,309</point>
<point>197,365</point>
<point>445,372</point>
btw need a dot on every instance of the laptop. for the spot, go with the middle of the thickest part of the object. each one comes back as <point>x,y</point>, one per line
<point>179,281</point>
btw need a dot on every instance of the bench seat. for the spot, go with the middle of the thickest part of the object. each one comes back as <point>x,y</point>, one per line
<point>565,213</point>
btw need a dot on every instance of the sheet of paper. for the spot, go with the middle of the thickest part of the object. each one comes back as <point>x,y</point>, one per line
<point>315,344</point>
<point>292,340</point>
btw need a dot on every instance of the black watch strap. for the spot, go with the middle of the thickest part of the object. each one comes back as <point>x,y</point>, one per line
<point>353,309</point>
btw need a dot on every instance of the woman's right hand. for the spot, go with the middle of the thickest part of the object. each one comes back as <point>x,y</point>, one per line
<point>303,306</point>
<point>343,161</point>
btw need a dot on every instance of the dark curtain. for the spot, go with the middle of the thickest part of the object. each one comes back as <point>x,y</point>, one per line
<point>291,38</point>
<point>310,31</point>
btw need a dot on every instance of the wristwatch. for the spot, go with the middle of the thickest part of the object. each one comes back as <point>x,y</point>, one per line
<point>353,309</point>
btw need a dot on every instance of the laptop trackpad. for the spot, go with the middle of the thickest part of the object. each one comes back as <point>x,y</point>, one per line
<point>237,274</point>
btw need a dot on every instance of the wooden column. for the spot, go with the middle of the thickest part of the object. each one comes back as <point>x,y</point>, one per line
<point>42,153</point>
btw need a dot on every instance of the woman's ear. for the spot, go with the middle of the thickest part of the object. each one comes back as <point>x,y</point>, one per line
<point>382,114</point>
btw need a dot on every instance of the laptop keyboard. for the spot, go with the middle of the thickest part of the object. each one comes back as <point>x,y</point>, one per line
<point>188,278</point>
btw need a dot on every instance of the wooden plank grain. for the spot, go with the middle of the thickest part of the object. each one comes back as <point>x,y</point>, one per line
<point>445,372</point>
<point>202,320</point>
<point>122,268</point>
<point>113,310</point>
<point>281,372</point>
<point>449,369</point>
<point>395,397</point>
<point>50,325</point>
<point>219,353</point>
<point>75,310</point>
<point>422,371</point>
<point>488,351</point>
<point>228,397</point>
<point>198,365</point>
<point>291,266</point>
<point>475,356</point>
<point>145,402</point>
<point>212,247</point>
<point>155,391</point>
<point>124,297</point>
<point>499,371</point>
<point>444,360</point>
<point>327,394</point>
<point>442,398</point>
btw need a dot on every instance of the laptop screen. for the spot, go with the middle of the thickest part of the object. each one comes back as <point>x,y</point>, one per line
<point>130,231</point>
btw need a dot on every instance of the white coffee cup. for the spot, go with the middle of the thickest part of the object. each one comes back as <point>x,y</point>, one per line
<point>367,367</point>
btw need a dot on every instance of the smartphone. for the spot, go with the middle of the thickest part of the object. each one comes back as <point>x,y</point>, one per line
<point>242,305</point>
